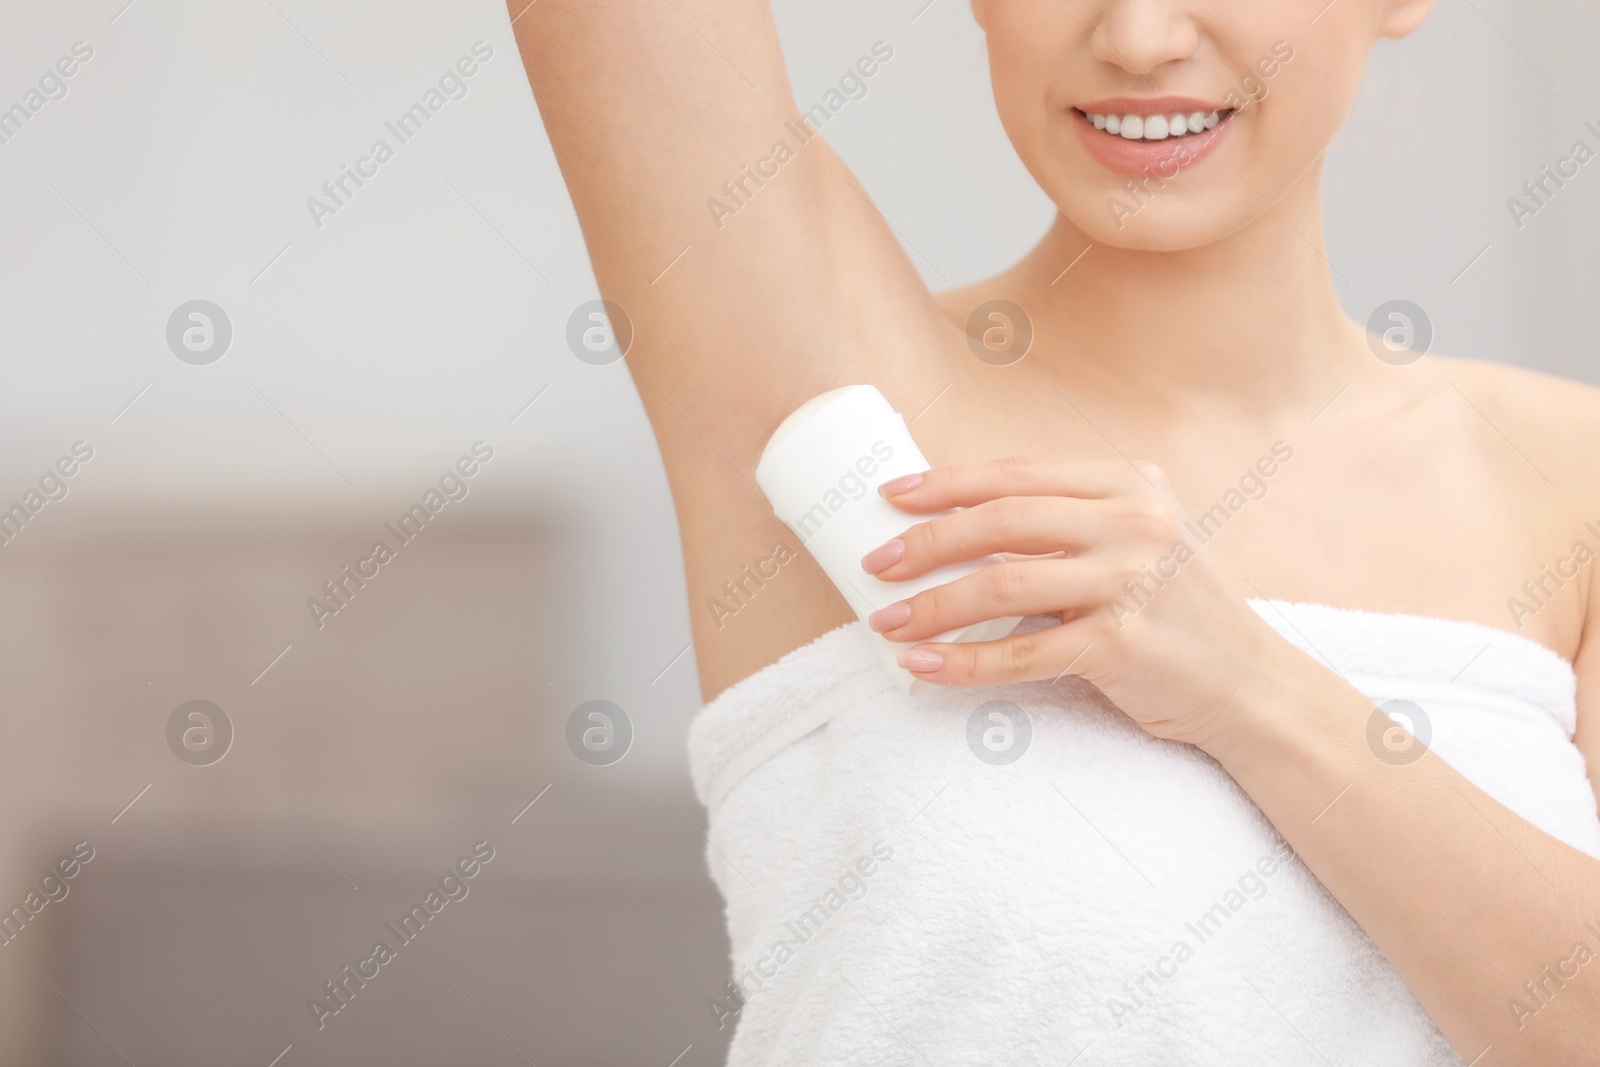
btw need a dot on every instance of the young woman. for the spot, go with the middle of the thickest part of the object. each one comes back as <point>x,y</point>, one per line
<point>1410,533</point>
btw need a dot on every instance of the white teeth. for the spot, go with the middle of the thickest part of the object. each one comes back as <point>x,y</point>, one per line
<point>1156,127</point>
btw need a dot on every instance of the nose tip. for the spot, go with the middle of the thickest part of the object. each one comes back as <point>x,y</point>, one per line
<point>1142,36</point>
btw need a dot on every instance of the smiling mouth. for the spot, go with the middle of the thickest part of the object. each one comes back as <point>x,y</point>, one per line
<point>1151,128</point>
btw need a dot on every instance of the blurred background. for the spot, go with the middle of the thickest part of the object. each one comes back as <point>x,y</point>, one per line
<point>345,361</point>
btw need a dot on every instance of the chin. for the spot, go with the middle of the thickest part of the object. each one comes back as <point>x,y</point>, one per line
<point>1182,215</point>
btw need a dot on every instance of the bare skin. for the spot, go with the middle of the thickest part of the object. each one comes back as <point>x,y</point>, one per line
<point>1179,353</point>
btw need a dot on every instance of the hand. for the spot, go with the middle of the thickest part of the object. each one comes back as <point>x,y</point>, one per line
<point>1147,615</point>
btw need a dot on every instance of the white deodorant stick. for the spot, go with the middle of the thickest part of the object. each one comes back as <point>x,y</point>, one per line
<point>821,471</point>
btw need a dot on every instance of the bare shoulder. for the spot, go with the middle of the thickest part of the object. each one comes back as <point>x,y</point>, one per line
<point>1553,421</point>
<point>1556,423</point>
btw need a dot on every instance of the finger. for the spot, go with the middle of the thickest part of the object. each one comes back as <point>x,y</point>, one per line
<point>1024,525</point>
<point>1026,587</point>
<point>1040,656</point>
<point>966,485</point>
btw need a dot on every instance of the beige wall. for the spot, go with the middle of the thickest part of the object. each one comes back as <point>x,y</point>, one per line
<point>395,738</point>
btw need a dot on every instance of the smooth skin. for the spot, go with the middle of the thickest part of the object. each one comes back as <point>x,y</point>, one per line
<point>1172,355</point>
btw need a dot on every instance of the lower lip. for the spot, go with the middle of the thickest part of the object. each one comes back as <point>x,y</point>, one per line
<point>1136,159</point>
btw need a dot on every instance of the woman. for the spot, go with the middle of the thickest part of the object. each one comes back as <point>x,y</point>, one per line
<point>1202,696</point>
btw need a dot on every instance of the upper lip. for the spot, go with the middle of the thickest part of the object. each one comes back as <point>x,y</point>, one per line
<point>1156,105</point>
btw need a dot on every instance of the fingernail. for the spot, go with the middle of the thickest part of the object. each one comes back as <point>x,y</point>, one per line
<point>920,659</point>
<point>884,556</point>
<point>894,615</point>
<point>903,484</point>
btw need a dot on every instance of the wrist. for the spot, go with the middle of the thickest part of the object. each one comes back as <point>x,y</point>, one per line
<point>1283,702</point>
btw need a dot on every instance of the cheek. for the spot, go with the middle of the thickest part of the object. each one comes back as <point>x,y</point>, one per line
<point>1304,106</point>
<point>1025,73</point>
<point>1031,96</point>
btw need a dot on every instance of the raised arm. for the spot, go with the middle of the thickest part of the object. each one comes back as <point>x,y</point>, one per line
<point>755,271</point>
<point>753,267</point>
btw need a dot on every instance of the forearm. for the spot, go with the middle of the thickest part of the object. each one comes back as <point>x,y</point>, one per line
<point>1467,900</point>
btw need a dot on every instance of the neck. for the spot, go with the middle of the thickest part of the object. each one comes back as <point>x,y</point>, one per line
<point>1251,321</point>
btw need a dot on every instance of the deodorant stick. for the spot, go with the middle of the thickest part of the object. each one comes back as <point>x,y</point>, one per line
<point>821,471</point>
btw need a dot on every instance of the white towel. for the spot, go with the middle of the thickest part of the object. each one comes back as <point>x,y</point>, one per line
<point>893,898</point>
